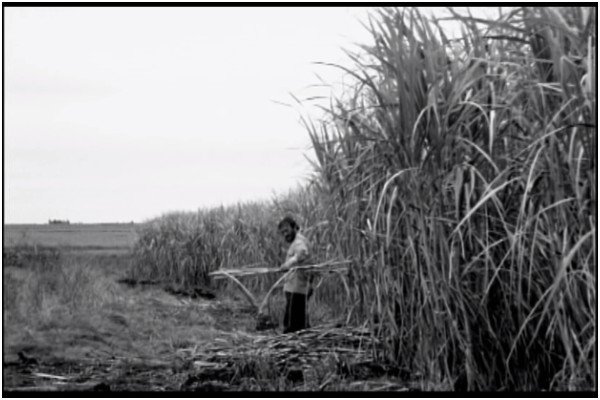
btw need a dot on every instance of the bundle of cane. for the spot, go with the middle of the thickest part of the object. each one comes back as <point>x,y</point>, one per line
<point>327,266</point>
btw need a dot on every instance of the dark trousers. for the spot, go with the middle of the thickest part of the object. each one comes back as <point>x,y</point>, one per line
<point>295,317</point>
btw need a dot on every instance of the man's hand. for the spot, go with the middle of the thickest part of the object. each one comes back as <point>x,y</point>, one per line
<point>284,267</point>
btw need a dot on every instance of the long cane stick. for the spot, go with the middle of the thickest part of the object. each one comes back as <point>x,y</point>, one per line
<point>266,299</point>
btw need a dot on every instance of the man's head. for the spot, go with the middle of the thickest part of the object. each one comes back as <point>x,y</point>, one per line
<point>287,228</point>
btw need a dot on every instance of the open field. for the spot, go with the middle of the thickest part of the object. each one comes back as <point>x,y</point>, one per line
<point>97,238</point>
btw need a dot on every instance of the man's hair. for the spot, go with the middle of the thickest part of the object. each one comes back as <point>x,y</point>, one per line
<point>290,221</point>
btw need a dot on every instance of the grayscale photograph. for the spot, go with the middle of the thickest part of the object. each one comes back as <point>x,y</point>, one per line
<point>311,200</point>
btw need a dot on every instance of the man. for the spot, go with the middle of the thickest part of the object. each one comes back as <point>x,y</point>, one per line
<point>296,286</point>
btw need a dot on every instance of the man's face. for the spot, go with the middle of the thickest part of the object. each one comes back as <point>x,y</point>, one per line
<point>288,233</point>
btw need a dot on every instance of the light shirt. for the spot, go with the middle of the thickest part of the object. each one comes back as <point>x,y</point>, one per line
<point>297,281</point>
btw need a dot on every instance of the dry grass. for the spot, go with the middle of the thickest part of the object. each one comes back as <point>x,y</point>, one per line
<point>76,321</point>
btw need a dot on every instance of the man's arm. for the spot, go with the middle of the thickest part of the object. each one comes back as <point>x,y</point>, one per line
<point>289,263</point>
<point>299,256</point>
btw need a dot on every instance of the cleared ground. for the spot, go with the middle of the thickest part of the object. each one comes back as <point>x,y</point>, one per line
<point>75,327</point>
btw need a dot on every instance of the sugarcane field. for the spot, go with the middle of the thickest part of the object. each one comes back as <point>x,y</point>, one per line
<point>376,200</point>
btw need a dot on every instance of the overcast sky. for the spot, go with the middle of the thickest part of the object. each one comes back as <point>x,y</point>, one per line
<point>121,114</point>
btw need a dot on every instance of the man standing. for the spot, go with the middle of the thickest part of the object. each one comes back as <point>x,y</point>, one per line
<point>296,287</point>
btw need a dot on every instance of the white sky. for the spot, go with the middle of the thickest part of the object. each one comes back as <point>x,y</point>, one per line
<point>121,114</point>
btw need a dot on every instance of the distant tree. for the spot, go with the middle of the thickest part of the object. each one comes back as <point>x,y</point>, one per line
<point>58,222</point>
